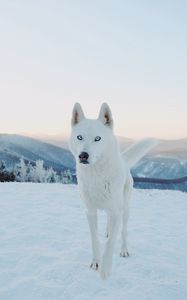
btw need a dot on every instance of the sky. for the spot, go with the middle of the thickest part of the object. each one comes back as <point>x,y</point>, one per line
<point>130,54</point>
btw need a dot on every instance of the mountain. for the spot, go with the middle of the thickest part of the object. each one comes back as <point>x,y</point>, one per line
<point>167,161</point>
<point>58,140</point>
<point>62,141</point>
<point>166,148</point>
<point>161,167</point>
<point>13,147</point>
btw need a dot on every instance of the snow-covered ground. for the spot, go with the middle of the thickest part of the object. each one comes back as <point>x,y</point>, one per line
<point>45,246</point>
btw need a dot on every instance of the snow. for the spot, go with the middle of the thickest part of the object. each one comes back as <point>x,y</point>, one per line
<point>45,247</point>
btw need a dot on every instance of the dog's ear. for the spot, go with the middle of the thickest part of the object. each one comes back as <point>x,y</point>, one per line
<point>77,114</point>
<point>105,115</point>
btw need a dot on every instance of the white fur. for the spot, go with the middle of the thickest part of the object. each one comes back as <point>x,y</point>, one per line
<point>105,182</point>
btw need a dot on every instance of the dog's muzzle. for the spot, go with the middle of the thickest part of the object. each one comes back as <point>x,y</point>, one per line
<point>83,158</point>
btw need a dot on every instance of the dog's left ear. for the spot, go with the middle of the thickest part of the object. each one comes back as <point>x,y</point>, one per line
<point>105,115</point>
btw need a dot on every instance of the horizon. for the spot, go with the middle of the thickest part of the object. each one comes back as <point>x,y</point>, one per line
<point>130,55</point>
<point>64,138</point>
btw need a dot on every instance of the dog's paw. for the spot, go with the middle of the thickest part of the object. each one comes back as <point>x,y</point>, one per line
<point>94,265</point>
<point>124,253</point>
<point>105,270</point>
<point>105,274</point>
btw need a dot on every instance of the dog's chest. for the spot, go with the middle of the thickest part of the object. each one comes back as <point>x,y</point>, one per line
<point>97,192</point>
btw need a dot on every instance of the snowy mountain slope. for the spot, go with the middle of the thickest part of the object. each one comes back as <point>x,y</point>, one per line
<point>61,141</point>
<point>13,147</point>
<point>167,161</point>
<point>160,167</point>
<point>45,246</point>
<point>173,148</point>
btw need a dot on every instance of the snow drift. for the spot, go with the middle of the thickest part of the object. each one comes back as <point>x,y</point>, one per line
<point>45,248</point>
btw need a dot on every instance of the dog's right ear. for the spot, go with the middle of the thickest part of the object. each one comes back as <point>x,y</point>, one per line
<point>77,114</point>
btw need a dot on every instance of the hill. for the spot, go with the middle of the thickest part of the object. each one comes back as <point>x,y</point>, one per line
<point>13,147</point>
<point>167,161</point>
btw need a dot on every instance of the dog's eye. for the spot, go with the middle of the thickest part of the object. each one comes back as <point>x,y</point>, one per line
<point>79,137</point>
<point>97,139</point>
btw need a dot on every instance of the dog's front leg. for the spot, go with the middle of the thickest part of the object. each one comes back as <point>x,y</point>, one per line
<point>106,264</point>
<point>92,221</point>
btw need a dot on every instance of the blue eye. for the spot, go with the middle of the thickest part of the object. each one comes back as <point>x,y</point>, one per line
<point>79,137</point>
<point>97,139</point>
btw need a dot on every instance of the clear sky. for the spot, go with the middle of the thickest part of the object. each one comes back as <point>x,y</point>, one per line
<point>131,54</point>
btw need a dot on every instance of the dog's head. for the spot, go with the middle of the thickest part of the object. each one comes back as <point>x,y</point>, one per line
<point>91,139</point>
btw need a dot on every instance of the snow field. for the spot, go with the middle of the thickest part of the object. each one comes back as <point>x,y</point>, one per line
<point>45,248</point>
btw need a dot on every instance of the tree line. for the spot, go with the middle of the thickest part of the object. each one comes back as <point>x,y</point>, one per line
<point>33,172</point>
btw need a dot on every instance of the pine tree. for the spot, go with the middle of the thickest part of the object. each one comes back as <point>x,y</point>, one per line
<point>67,177</point>
<point>40,172</point>
<point>21,171</point>
<point>5,175</point>
<point>51,176</point>
<point>2,166</point>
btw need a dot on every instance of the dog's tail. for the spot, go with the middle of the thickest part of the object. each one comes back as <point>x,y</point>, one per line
<point>135,152</point>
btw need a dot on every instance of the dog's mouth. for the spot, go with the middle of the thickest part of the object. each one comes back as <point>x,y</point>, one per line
<point>83,161</point>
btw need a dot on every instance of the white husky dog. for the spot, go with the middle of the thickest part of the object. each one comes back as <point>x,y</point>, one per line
<point>104,178</point>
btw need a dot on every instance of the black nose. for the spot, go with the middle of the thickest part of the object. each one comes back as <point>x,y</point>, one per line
<point>83,157</point>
